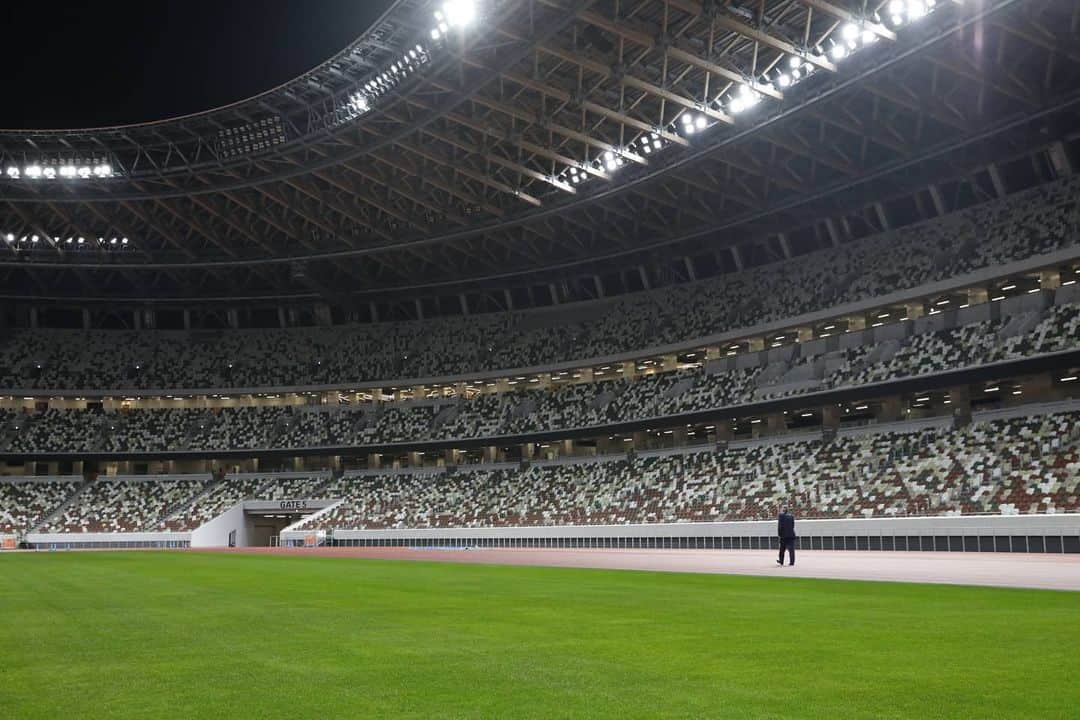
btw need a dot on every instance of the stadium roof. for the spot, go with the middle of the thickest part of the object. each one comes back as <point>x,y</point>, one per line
<point>462,140</point>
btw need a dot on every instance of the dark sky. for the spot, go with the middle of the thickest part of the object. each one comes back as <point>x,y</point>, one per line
<point>105,62</point>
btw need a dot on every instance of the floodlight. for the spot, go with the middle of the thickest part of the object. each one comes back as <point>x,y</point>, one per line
<point>49,172</point>
<point>33,171</point>
<point>896,7</point>
<point>794,61</point>
<point>34,239</point>
<point>700,122</point>
<point>838,52</point>
<point>81,241</point>
<point>123,241</point>
<point>784,80</point>
<point>67,171</point>
<point>459,13</point>
<point>737,106</point>
<point>435,34</point>
<point>850,31</point>
<point>112,241</point>
<point>686,119</point>
<point>9,237</point>
<point>916,9</point>
<point>13,172</point>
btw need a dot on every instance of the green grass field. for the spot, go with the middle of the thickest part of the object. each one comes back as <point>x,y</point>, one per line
<point>187,635</point>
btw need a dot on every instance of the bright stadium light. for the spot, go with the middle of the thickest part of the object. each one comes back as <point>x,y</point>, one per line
<point>459,13</point>
<point>13,172</point>
<point>67,171</point>
<point>32,171</point>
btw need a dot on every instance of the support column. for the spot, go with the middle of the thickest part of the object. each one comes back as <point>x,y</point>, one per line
<point>960,404</point>
<point>598,286</point>
<point>689,264</point>
<point>834,234</point>
<point>554,291</point>
<point>232,317</point>
<point>86,318</point>
<point>883,217</point>
<point>830,417</point>
<point>995,178</point>
<point>464,303</point>
<point>856,322</point>
<point>736,257</point>
<point>419,308</point>
<point>939,201</point>
<point>187,319</point>
<point>282,323</point>
<point>1059,158</point>
<point>785,246</point>
<point>508,298</point>
<point>644,277</point>
<point>890,409</point>
<point>1049,279</point>
<point>33,318</point>
<point>373,309</point>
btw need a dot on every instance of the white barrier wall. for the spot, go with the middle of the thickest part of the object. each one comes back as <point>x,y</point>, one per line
<point>116,538</point>
<point>944,525</point>
<point>215,533</point>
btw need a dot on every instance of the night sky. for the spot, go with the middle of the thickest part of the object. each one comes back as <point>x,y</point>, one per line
<point>95,63</point>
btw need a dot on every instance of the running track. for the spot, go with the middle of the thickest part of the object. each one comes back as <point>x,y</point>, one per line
<point>1052,572</point>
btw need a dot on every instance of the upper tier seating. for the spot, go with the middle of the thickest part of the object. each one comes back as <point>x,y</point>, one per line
<point>562,406</point>
<point>1030,223</point>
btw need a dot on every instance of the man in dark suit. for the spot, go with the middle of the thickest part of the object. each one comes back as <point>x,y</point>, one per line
<point>785,529</point>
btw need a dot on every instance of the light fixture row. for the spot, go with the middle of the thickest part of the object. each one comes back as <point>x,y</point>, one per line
<point>14,239</point>
<point>847,40</point>
<point>63,171</point>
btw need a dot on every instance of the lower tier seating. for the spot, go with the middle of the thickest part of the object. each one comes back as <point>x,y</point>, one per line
<point>1021,464</point>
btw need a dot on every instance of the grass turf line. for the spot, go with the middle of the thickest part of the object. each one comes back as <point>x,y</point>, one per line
<point>188,635</point>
